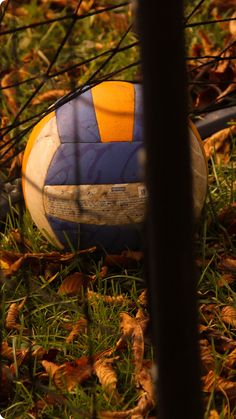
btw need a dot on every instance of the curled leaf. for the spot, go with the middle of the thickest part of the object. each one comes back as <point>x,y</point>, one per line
<point>12,314</point>
<point>79,327</point>
<point>218,144</point>
<point>67,376</point>
<point>131,328</point>
<point>107,377</point>
<point>109,299</point>
<point>10,93</point>
<point>143,298</point>
<point>102,274</point>
<point>49,95</point>
<point>50,367</point>
<point>74,284</point>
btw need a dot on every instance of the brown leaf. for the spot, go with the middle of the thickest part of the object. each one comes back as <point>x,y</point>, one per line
<point>228,264</point>
<point>16,236</point>
<point>74,284</point>
<point>228,315</point>
<point>70,374</point>
<point>229,89</point>
<point>143,406</point>
<point>136,255</point>
<point>232,25</point>
<point>48,400</point>
<point>18,356</point>
<point>61,3</point>
<point>207,359</point>
<point>213,382</point>
<point>102,274</point>
<point>218,144</point>
<point>107,377</point>
<point>225,279</point>
<point>12,314</point>
<point>6,351</point>
<point>109,299</point>
<point>230,359</point>
<point>11,261</point>
<point>79,327</point>
<point>206,97</point>
<point>213,415</point>
<point>144,380</point>
<point>21,356</point>
<point>227,217</point>
<point>120,261</point>
<point>49,95</point>
<point>6,152</point>
<point>42,354</point>
<point>131,328</point>
<point>143,298</point>
<point>222,343</point>
<point>207,43</point>
<point>223,5</point>
<point>10,93</point>
<point>16,164</point>
<point>50,367</point>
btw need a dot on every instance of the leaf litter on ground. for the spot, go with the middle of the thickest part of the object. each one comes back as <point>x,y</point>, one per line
<point>73,347</point>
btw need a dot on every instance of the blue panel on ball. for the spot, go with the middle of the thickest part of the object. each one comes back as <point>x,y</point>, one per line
<point>113,238</point>
<point>138,115</point>
<point>76,120</point>
<point>101,163</point>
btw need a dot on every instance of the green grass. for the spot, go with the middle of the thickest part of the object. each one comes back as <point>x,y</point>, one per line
<point>47,317</point>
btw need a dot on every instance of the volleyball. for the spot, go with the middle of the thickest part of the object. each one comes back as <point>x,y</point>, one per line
<point>81,174</point>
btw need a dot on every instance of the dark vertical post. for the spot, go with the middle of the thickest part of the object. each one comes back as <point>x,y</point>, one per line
<point>170,260</point>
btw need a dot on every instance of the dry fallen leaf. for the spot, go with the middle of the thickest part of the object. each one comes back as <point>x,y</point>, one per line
<point>74,284</point>
<point>232,25</point>
<point>225,279</point>
<point>143,298</point>
<point>102,274</point>
<point>131,328</point>
<point>107,377</point>
<point>49,95</point>
<point>213,382</point>
<point>10,93</point>
<point>50,367</point>
<point>79,327</point>
<point>11,261</point>
<point>70,374</point>
<point>213,415</point>
<point>12,315</point>
<point>144,380</point>
<point>207,359</point>
<point>230,360</point>
<point>48,400</point>
<point>140,411</point>
<point>109,299</point>
<point>228,315</point>
<point>228,264</point>
<point>120,261</point>
<point>218,144</point>
<point>227,218</point>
